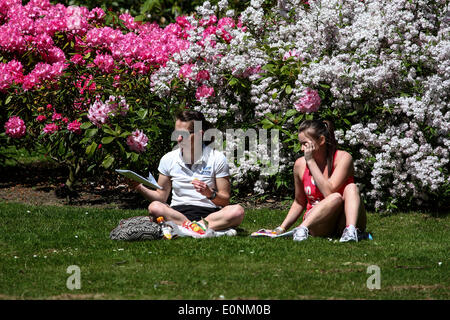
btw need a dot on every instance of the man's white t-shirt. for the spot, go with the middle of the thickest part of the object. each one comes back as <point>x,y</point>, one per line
<point>213,164</point>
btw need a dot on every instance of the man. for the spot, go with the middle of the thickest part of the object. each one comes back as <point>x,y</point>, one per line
<point>199,179</point>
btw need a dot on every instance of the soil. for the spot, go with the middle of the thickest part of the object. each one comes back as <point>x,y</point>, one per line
<point>43,184</point>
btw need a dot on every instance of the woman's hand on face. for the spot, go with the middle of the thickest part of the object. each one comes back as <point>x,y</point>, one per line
<point>309,150</point>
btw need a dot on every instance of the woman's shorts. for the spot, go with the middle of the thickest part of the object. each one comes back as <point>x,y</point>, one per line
<point>195,213</point>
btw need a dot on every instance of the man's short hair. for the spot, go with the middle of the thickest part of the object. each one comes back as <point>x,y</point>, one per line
<point>192,115</point>
<point>187,115</point>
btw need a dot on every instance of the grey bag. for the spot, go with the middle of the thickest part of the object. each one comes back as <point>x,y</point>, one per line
<point>136,228</point>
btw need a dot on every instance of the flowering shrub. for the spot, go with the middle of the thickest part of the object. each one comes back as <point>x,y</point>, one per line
<point>79,79</point>
<point>96,87</point>
<point>15,127</point>
<point>378,69</point>
<point>382,71</point>
<point>137,141</point>
<point>309,103</point>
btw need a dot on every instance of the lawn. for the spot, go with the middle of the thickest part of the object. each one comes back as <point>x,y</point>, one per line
<point>38,244</point>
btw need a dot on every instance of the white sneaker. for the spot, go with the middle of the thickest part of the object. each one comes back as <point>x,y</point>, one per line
<point>225,232</point>
<point>350,234</point>
<point>301,233</point>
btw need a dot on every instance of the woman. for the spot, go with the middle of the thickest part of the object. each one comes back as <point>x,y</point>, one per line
<point>324,186</point>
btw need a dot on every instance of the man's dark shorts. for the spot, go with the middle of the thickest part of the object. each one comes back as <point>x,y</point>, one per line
<point>195,213</point>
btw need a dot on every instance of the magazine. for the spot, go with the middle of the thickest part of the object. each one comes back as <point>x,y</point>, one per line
<point>271,233</point>
<point>149,181</point>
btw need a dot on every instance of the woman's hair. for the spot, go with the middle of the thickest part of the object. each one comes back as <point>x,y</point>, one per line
<point>317,128</point>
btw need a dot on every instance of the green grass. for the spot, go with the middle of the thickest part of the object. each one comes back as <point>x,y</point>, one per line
<point>13,156</point>
<point>37,244</point>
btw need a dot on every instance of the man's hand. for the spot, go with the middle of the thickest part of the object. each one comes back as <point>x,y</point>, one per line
<point>202,188</point>
<point>132,184</point>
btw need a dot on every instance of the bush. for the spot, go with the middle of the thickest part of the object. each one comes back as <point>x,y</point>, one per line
<point>81,78</point>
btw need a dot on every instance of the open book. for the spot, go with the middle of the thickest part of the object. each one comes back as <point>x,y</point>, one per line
<point>150,181</point>
<point>271,234</point>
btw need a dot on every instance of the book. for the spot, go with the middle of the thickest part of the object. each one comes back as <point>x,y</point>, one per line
<point>271,233</point>
<point>149,181</point>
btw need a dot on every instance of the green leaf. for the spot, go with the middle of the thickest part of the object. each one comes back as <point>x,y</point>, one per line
<point>291,112</point>
<point>91,149</point>
<point>288,89</point>
<point>90,133</point>
<point>107,140</point>
<point>125,134</point>
<point>108,130</point>
<point>148,5</point>
<point>269,67</point>
<point>8,100</point>
<point>122,149</point>
<point>134,157</point>
<point>266,123</point>
<point>233,81</point>
<point>298,119</point>
<point>285,69</point>
<point>86,125</point>
<point>142,113</point>
<point>109,160</point>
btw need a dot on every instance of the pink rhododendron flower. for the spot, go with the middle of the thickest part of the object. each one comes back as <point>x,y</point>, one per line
<point>202,75</point>
<point>137,141</point>
<point>291,53</point>
<point>74,127</point>
<point>41,118</point>
<point>212,20</point>
<point>98,113</point>
<point>120,105</point>
<point>226,36</point>
<point>251,71</point>
<point>9,73</point>
<point>310,101</point>
<point>209,31</point>
<point>50,128</point>
<point>97,13</point>
<point>76,18</point>
<point>15,127</point>
<point>140,67</point>
<point>129,21</point>
<point>226,22</point>
<point>104,62</point>
<point>85,83</point>
<point>78,59</point>
<point>185,71</point>
<point>204,92</point>
<point>56,116</point>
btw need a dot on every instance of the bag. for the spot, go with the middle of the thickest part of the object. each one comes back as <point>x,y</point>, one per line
<point>135,229</point>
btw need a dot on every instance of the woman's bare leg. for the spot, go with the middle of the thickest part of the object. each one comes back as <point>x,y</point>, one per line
<point>323,217</point>
<point>355,212</point>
